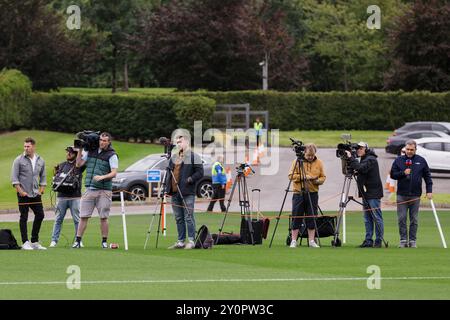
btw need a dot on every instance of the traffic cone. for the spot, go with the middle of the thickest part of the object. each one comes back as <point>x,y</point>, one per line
<point>391,185</point>
<point>255,161</point>
<point>229,179</point>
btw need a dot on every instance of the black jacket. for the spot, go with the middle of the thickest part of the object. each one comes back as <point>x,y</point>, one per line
<point>411,186</point>
<point>75,174</point>
<point>368,176</point>
<point>192,167</point>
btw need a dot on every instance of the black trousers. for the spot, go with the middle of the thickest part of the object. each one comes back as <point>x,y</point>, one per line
<point>218,193</point>
<point>38,210</point>
<point>302,207</point>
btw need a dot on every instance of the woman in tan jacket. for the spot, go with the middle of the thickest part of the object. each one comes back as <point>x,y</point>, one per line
<point>301,205</point>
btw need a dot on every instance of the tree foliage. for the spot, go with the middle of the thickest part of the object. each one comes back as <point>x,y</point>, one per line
<point>420,48</point>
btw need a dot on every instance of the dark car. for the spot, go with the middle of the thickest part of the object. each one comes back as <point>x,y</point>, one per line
<point>423,126</point>
<point>396,143</point>
<point>134,178</point>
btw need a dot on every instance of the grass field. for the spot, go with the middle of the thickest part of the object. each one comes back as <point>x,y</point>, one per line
<point>229,272</point>
<point>51,146</point>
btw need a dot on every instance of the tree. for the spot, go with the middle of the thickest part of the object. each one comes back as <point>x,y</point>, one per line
<point>34,40</point>
<point>420,48</point>
<point>218,45</point>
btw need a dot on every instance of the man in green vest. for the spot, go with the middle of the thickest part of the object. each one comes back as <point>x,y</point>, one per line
<point>258,125</point>
<point>219,181</point>
<point>101,168</point>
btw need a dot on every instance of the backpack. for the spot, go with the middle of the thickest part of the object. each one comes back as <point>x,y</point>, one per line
<point>204,239</point>
<point>7,240</point>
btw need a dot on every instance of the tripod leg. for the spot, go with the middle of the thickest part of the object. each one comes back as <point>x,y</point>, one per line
<point>233,188</point>
<point>336,242</point>
<point>246,207</point>
<point>159,221</point>
<point>279,213</point>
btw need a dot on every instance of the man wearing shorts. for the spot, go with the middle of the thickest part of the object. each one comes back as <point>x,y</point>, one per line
<point>101,168</point>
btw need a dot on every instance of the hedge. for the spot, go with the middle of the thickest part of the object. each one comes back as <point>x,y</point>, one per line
<point>340,110</point>
<point>15,93</point>
<point>136,117</point>
<point>149,116</point>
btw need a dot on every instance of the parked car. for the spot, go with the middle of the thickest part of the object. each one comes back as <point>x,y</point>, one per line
<point>423,126</point>
<point>437,153</point>
<point>134,178</point>
<point>396,143</point>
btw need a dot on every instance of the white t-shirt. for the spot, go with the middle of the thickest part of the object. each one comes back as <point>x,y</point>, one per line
<point>33,161</point>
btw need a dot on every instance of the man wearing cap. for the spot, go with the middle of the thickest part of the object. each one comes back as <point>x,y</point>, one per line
<point>68,179</point>
<point>409,170</point>
<point>371,190</point>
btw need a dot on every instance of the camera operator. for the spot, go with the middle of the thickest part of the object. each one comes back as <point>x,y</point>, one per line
<point>187,168</point>
<point>101,168</point>
<point>68,197</point>
<point>371,190</point>
<point>315,176</point>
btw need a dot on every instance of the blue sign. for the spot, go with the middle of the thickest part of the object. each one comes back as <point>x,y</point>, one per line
<point>153,176</point>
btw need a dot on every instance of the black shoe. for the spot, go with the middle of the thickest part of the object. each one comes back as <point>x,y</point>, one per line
<point>366,244</point>
<point>377,244</point>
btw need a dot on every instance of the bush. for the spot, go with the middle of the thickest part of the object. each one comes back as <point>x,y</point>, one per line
<point>15,93</point>
<point>138,117</point>
<point>190,109</point>
<point>340,110</point>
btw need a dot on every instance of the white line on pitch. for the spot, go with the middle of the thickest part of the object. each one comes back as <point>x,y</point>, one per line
<point>214,280</point>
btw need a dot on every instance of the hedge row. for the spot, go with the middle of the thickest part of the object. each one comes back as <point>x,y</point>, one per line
<point>340,110</point>
<point>15,93</point>
<point>149,116</point>
<point>137,117</point>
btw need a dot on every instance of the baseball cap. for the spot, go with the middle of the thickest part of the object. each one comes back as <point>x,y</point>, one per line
<point>71,149</point>
<point>363,144</point>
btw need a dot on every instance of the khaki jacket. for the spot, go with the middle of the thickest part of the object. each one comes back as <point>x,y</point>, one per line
<point>315,175</point>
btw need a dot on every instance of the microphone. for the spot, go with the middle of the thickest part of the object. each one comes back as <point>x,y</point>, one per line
<point>408,164</point>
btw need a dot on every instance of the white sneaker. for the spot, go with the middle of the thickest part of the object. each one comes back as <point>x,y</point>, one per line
<point>27,246</point>
<point>38,246</point>
<point>76,245</point>
<point>177,245</point>
<point>190,245</point>
<point>104,245</point>
<point>313,244</point>
<point>52,244</point>
<point>293,244</point>
<point>81,244</point>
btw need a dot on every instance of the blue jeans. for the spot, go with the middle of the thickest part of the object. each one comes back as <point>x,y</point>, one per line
<point>61,209</point>
<point>373,220</point>
<point>183,216</point>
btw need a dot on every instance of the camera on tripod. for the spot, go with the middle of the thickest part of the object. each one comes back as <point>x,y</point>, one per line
<point>168,146</point>
<point>342,154</point>
<point>241,167</point>
<point>347,146</point>
<point>87,140</point>
<point>298,147</point>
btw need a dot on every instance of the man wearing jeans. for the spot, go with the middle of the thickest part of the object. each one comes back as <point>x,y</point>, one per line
<point>69,192</point>
<point>28,177</point>
<point>409,170</point>
<point>186,170</point>
<point>371,190</point>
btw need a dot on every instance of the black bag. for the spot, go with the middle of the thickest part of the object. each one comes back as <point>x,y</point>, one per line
<point>326,227</point>
<point>204,239</point>
<point>257,226</point>
<point>7,240</point>
<point>227,238</point>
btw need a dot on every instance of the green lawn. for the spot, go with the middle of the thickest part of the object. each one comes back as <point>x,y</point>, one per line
<point>229,272</point>
<point>330,138</point>
<point>51,146</point>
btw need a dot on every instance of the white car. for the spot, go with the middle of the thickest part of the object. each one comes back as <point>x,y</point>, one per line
<point>436,151</point>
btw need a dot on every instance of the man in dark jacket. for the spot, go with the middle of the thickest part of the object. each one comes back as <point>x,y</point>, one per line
<point>409,170</point>
<point>68,182</point>
<point>371,190</point>
<point>187,169</point>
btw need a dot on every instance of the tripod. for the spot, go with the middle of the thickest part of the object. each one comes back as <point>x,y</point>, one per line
<point>244,202</point>
<point>305,193</point>
<point>345,199</point>
<point>162,201</point>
